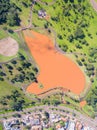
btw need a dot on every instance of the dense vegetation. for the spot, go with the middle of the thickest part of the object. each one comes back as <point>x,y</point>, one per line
<point>19,71</point>
<point>13,81</point>
<point>92,98</point>
<point>14,100</point>
<point>9,13</point>
<point>61,99</point>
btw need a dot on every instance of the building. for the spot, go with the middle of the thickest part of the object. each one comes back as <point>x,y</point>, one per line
<point>42,14</point>
<point>71,126</point>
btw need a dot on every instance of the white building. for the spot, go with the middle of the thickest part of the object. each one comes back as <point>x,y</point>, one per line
<point>71,126</point>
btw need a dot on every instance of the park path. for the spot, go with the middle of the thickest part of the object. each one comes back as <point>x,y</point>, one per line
<point>30,19</point>
<point>94,4</point>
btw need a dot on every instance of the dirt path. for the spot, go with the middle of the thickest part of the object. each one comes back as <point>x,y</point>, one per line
<point>30,20</point>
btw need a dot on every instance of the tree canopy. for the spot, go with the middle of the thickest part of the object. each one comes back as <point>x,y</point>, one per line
<point>9,13</point>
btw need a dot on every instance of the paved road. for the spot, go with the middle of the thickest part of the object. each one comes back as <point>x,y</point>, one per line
<point>83,118</point>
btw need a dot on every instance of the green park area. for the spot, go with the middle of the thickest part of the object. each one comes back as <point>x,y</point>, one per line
<point>19,70</point>
<point>71,23</point>
<point>74,26</point>
<point>16,72</point>
<point>3,34</point>
<point>48,1</point>
<point>1,127</point>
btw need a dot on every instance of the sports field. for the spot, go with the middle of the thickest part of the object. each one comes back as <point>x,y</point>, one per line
<point>56,70</point>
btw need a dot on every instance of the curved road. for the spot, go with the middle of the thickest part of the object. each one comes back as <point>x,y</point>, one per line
<point>82,118</point>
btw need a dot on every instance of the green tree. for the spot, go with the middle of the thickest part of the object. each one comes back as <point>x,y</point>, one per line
<point>9,13</point>
<point>13,19</point>
<point>4,6</point>
<point>17,105</point>
<point>79,33</point>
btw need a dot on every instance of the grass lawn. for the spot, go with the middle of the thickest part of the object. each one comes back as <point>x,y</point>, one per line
<point>47,1</point>
<point>5,58</point>
<point>6,89</point>
<point>71,101</point>
<point>1,127</point>
<point>88,110</point>
<point>3,34</point>
<point>24,14</point>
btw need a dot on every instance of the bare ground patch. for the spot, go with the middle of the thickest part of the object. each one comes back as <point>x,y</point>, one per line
<point>8,47</point>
